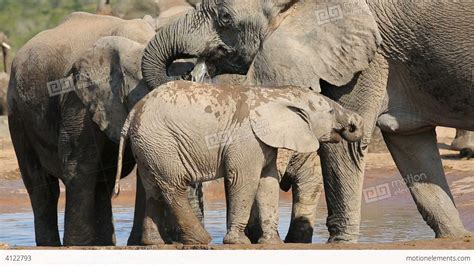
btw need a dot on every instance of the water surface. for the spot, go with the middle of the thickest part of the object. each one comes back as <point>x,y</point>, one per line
<point>381,222</point>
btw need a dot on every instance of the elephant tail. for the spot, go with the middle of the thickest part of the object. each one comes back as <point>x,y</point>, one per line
<point>122,145</point>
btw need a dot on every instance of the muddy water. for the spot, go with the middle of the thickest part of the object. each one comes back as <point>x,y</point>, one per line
<point>382,222</point>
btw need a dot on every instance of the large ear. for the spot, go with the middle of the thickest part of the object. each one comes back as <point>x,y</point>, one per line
<point>280,125</point>
<point>331,40</point>
<point>108,81</point>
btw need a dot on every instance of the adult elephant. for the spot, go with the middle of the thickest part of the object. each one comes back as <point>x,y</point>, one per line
<point>71,89</point>
<point>335,45</point>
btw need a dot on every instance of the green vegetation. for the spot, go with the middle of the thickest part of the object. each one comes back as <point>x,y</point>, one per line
<point>23,19</point>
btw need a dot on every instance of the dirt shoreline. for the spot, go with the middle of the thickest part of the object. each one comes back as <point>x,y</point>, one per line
<point>447,244</point>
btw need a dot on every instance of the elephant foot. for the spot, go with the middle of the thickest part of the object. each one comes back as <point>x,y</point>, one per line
<point>270,239</point>
<point>466,153</point>
<point>148,240</point>
<point>464,142</point>
<point>301,231</point>
<point>233,238</point>
<point>456,234</point>
<point>203,238</point>
<point>48,243</point>
<point>134,241</point>
<point>342,239</point>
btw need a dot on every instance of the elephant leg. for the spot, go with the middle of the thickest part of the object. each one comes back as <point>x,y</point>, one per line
<point>464,142</point>
<point>196,199</point>
<point>80,143</point>
<point>343,164</point>
<point>267,199</point>
<point>146,185</point>
<point>104,226</point>
<point>418,159</point>
<point>307,185</point>
<point>79,217</point>
<point>151,235</point>
<point>176,197</point>
<point>242,190</point>
<point>254,227</point>
<point>135,238</point>
<point>43,189</point>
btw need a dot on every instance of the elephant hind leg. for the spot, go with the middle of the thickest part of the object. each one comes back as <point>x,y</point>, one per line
<point>176,197</point>
<point>42,188</point>
<point>418,159</point>
<point>241,189</point>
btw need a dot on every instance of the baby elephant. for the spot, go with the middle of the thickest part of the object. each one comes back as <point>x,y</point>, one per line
<point>184,133</point>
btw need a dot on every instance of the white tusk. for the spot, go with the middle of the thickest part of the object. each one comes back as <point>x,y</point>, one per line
<point>4,44</point>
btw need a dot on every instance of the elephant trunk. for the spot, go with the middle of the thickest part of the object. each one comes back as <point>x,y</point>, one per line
<point>184,38</point>
<point>350,124</point>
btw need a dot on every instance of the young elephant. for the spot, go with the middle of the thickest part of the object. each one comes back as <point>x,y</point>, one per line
<point>184,133</point>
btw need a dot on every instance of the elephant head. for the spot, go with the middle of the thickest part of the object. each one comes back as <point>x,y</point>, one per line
<point>227,34</point>
<point>300,118</point>
<point>108,80</point>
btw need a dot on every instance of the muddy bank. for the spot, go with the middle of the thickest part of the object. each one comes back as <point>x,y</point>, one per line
<point>423,245</point>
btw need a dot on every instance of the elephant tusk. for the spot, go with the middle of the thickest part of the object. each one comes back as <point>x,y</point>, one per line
<point>5,45</point>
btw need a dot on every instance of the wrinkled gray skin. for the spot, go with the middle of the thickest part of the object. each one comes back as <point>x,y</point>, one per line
<point>464,142</point>
<point>73,136</point>
<point>193,118</point>
<point>4,77</point>
<point>301,173</point>
<point>343,55</point>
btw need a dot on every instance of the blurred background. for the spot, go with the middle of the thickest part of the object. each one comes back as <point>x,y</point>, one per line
<point>21,20</point>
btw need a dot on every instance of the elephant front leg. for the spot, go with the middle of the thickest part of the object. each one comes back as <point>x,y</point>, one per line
<point>305,175</point>
<point>418,159</point>
<point>241,190</point>
<point>79,218</point>
<point>267,203</point>
<point>343,175</point>
<point>104,226</point>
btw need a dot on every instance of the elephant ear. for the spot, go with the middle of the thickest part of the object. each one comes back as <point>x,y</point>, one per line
<point>329,40</point>
<point>108,81</point>
<point>283,126</point>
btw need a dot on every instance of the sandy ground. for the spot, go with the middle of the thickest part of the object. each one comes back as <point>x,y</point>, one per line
<point>380,170</point>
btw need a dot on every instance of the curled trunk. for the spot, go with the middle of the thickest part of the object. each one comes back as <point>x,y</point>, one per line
<point>187,37</point>
<point>351,126</point>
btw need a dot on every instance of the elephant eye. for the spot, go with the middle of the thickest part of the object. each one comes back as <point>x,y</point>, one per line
<point>225,18</point>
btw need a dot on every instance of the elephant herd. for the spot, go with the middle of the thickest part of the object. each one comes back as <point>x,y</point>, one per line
<point>96,95</point>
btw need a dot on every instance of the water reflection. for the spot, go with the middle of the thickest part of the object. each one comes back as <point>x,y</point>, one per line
<point>380,223</point>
